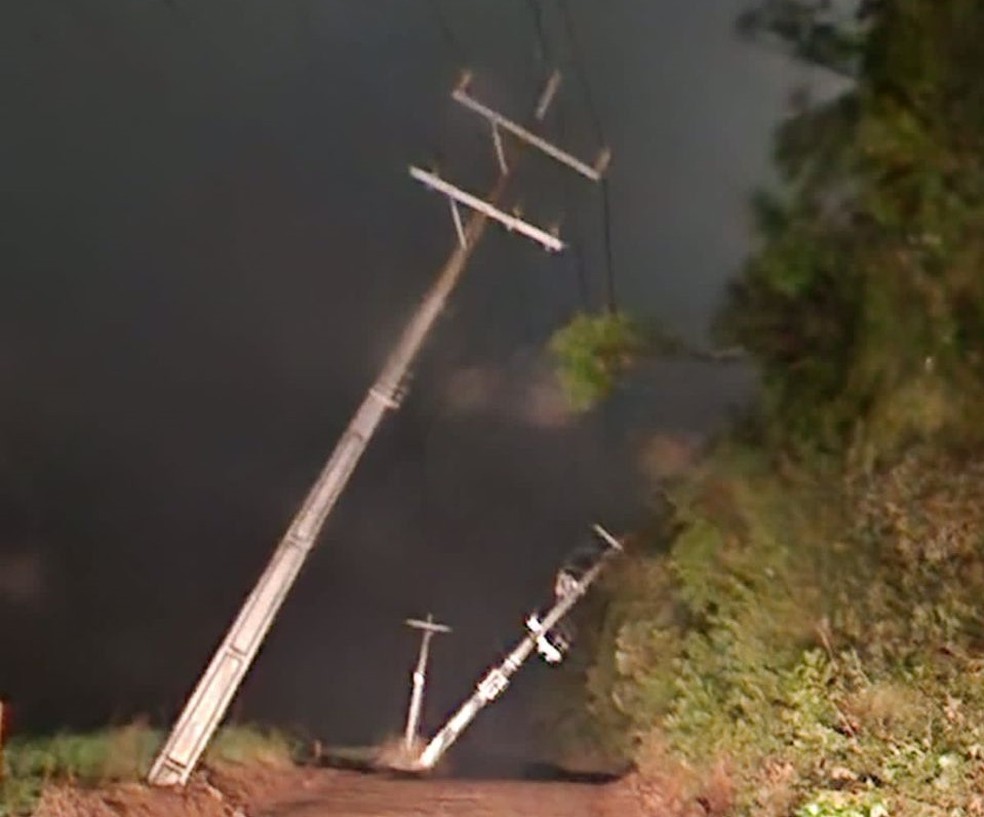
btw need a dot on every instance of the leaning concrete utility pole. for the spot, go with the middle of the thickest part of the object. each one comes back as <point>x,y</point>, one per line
<point>212,696</point>
<point>497,679</point>
<point>428,628</point>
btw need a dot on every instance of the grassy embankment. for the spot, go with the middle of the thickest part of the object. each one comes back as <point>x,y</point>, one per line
<point>117,754</point>
<point>810,645</point>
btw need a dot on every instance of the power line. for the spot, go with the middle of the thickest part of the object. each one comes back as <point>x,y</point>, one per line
<point>606,218</point>
<point>543,47</point>
<point>451,42</point>
<point>455,53</point>
<point>580,271</point>
<point>579,265</point>
<point>577,262</point>
<point>595,116</point>
<point>582,78</point>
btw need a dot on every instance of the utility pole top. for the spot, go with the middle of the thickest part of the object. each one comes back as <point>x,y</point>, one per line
<point>429,628</point>
<point>462,96</point>
<point>429,624</point>
<point>500,125</point>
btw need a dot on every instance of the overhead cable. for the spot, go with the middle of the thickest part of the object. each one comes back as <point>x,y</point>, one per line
<point>582,78</point>
<point>451,42</point>
<point>542,45</point>
<point>606,219</point>
<point>595,116</point>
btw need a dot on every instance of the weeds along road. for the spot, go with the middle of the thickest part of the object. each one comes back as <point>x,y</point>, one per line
<point>350,794</point>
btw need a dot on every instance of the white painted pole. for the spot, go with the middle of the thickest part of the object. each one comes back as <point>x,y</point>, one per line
<point>417,693</point>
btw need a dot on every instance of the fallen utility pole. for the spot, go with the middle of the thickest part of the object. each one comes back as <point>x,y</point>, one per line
<point>497,679</point>
<point>212,696</point>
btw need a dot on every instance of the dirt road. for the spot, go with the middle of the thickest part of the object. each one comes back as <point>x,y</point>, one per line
<point>350,794</point>
<point>310,792</point>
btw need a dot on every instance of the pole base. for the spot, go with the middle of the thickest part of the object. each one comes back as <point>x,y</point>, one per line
<point>396,756</point>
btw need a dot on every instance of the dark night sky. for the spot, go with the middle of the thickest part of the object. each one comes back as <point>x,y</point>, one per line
<point>209,241</point>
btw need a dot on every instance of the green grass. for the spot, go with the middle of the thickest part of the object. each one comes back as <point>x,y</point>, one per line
<point>117,754</point>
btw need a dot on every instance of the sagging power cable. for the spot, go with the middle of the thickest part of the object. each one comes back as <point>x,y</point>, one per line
<point>580,271</point>
<point>456,57</point>
<point>595,116</point>
<point>606,219</point>
<point>578,262</point>
<point>542,45</point>
<point>547,62</point>
<point>452,44</point>
<point>578,62</point>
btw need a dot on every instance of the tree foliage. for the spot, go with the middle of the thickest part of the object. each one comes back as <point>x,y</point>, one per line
<point>815,616</point>
<point>592,352</point>
<point>864,302</point>
<point>821,32</point>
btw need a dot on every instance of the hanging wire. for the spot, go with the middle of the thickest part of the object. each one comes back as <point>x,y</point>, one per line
<point>582,78</point>
<point>594,115</point>
<point>576,243</point>
<point>546,60</point>
<point>547,63</point>
<point>455,55</point>
<point>542,45</point>
<point>606,218</point>
<point>452,44</point>
<point>581,272</point>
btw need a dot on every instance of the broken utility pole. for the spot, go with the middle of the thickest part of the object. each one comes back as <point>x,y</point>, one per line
<point>213,694</point>
<point>537,637</point>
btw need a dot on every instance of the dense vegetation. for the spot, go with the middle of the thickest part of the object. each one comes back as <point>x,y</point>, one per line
<point>807,626</point>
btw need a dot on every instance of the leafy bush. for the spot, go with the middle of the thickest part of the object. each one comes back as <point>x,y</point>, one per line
<point>592,352</point>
